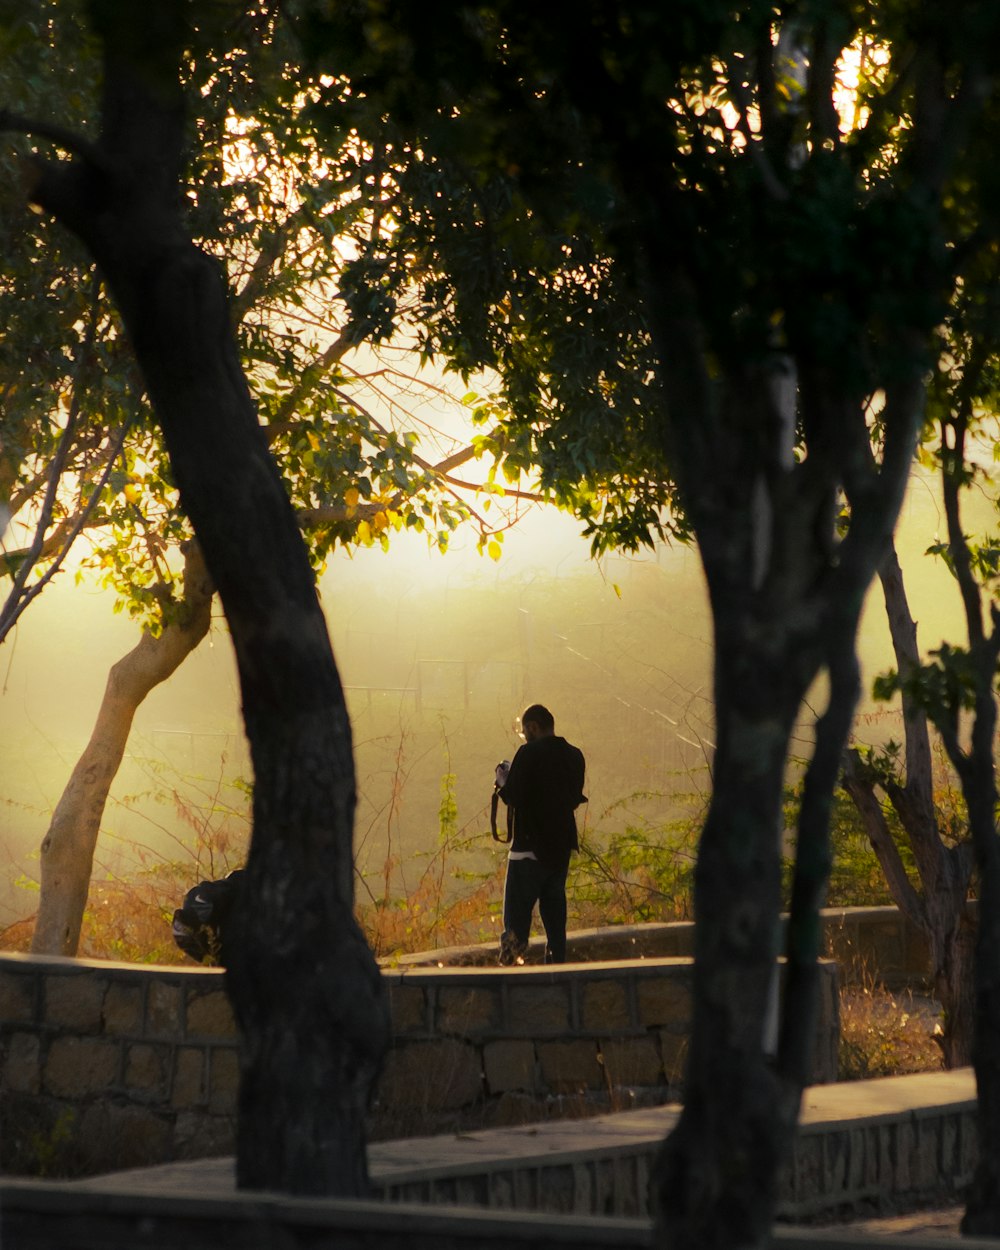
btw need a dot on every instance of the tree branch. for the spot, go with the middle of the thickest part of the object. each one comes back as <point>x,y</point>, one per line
<point>861,787</point>
<point>69,140</point>
<point>18,600</point>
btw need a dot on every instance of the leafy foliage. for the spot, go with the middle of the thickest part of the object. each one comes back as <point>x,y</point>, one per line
<point>282,216</point>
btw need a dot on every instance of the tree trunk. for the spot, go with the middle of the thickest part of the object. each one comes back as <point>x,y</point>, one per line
<point>306,990</point>
<point>982,1214</point>
<point>953,958</point>
<point>939,908</point>
<point>715,1178</point>
<point>67,852</point>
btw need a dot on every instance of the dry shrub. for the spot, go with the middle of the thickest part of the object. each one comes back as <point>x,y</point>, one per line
<point>431,916</point>
<point>885,1034</point>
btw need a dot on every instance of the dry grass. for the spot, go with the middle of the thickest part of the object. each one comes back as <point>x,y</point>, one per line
<point>886,1034</point>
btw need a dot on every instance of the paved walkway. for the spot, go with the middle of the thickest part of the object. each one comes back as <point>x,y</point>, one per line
<point>941,1223</point>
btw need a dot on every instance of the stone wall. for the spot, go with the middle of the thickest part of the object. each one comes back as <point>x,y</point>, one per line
<point>106,1066</point>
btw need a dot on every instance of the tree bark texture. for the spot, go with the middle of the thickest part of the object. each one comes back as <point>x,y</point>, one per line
<point>977,771</point>
<point>67,851</point>
<point>305,989</point>
<point>785,608</point>
<point>976,767</point>
<point>714,1179</point>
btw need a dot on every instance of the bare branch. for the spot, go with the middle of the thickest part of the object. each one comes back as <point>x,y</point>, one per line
<point>15,606</point>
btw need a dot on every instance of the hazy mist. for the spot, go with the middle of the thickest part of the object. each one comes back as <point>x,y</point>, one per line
<point>439,654</point>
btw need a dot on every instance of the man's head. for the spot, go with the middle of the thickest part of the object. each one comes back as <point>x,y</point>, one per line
<point>537,722</point>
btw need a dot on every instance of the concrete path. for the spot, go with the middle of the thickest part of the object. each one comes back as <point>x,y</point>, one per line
<point>468,1153</point>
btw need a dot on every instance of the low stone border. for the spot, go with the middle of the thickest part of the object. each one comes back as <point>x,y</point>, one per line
<point>888,1144</point>
<point>39,1216</point>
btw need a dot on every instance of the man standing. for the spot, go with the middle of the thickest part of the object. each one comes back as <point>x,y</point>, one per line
<point>544,786</point>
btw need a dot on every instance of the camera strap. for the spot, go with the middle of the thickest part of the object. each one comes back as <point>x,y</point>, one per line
<point>498,837</point>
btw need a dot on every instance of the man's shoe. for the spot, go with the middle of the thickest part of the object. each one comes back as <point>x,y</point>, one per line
<point>511,950</point>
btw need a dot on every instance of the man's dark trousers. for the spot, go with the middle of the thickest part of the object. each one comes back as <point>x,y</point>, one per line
<point>528,882</point>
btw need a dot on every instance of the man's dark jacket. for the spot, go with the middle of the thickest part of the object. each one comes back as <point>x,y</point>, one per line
<point>545,786</point>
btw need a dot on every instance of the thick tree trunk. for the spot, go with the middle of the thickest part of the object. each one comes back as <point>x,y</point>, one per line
<point>305,988</point>
<point>982,1214</point>
<point>714,1182</point>
<point>953,958</point>
<point>784,608</point>
<point>977,769</point>
<point>67,852</point>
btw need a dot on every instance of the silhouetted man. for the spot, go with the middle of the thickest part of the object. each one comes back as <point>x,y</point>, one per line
<point>544,785</point>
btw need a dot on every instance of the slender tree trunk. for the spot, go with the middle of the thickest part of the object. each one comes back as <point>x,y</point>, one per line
<point>305,988</point>
<point>939,907</point>
<point>814,857</point>
<point>67,852</point>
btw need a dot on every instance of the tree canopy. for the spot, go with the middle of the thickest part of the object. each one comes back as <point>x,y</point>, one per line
<point>80,450</point>
<point>706,250</point>
<point>773,206</point>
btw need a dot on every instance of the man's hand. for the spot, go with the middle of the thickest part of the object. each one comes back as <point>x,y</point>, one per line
<point>503,768</point>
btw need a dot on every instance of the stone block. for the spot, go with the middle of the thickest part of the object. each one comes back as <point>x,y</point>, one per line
<point>471,1191</point>
<point>163,1010</point>
<point>122,1013</point>
<point>949,1144</point>
<point>147,1071</point>
<point>78,1067</point>
<point>630,1200</point>
<point>968,1147</point>
<point>568,1067</point>
<point>665,1001</point>
<point>408,1008</point>
<point>836,1164</point>
<point>37,1137</point>
<point>583,1187</point>
<point>17,998</point>
<point>632,1061</point>
<point>604,1007</point>
<point>509,1064</point>
<point>809,1171</point>
<point>855,1182</point>
<point>905,1152</point>
<point>673,1052</point>
<point>501,1189</point>
<point>558,1184</point>
<point>537,1010</point>
<point>873,1176</point>
<point>209,1015</point>
<point>198,1135</point>
<point>75,1002</point>
<point>223,1080</point>
<point>190,1082</point>
<point>110,1137</point>
<point>437,1075</point>
<point>926,1158</point>
<point>604,1187</point>
<point>467,1010</point>
<point>22,1071</point>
